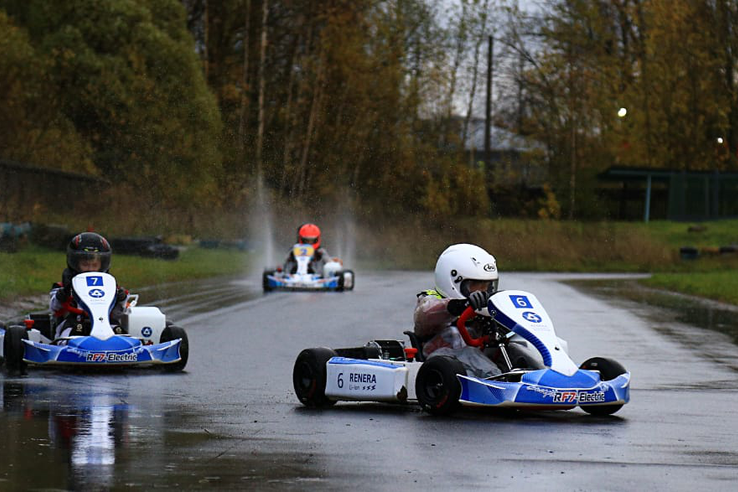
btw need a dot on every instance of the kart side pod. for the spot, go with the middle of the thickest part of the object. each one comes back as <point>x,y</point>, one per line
<point>354,379</point>
<point>147,322</point>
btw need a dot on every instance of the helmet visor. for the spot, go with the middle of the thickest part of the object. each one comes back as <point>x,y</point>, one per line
<point>309,240</point>
<point>89,261</point>
<point>470,285</point>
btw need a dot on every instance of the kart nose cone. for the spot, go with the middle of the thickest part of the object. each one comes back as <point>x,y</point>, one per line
<point>112,343</point>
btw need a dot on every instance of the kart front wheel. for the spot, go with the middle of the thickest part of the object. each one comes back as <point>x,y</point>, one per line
<point>609,369</point>
<point>437,387</point>
<point>173,332</point>
<point>309,377</point>
<point>14,350</point>
<point>348,279</point>
<point>265,280</point>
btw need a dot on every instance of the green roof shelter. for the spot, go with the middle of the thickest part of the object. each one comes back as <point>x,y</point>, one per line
<point>678,195</point>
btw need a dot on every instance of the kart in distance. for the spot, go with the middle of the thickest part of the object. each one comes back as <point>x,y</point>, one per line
<point>333,277</point>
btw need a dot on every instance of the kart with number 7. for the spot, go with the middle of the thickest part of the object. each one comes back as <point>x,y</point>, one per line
<point>145,337</point>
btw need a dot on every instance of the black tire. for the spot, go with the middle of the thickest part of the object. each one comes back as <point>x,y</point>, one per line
<point>14,350</point>
<point>173,332</point>
<point>309,377</point>
<point>2,359</point>
<point>353,279</point>
<point>437,387</point>
<point>265,281</point>
<point>339,274</point>
<point>609,369</point>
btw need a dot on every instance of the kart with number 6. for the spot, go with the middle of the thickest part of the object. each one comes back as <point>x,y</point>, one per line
<point>517,334</point>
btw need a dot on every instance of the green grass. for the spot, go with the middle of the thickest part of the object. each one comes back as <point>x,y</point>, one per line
<point>538,245</point>
<point>416,242</point>
<point>33,270</point>
<point>717,285</point>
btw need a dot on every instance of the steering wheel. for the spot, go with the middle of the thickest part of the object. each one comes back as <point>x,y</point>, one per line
<point>468,314</point>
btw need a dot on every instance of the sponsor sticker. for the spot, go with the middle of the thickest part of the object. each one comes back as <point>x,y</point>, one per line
<point>532,317</point>
<point>579,397</point>
<point>110,357</point>
<point>521,302</point>
<point>565,397</point>
<point>358,381</point>
<point>96,293</point>
<point>594,397</point>
<point>146,331</point>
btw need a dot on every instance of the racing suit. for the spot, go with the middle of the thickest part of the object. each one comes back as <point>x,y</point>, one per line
<point>61,300</point>
<point>435,325</point>
<point>317,262</point>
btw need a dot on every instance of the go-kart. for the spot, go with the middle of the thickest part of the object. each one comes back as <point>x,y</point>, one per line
<point>333,276</point>
<point>517,335</point>
<point>144,338</point>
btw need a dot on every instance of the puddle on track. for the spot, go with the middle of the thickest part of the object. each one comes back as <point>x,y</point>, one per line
<point>102,441</point>
<point>687,319</point>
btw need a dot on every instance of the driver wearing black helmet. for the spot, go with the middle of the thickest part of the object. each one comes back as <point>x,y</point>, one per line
<point>86,252</point>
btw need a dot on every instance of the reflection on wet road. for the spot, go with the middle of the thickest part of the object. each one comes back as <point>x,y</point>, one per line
<point>708,327</point>
<point>232,422</point>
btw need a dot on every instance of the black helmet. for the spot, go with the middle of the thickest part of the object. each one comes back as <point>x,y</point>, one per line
<point>88,246</point>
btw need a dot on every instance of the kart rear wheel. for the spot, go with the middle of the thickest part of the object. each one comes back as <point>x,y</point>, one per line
<point>173,332</point>
<point>265,280</point>
<point>437,386</point>
<point>14,350</point>
<point>309,377</point>
<point>609,369</point>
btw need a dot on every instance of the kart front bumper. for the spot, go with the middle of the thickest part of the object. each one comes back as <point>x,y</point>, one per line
<point>296,284</point>
<point>567,393</point>
<point>139,355</point>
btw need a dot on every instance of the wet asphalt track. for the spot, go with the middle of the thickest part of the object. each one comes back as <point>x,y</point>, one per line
<point>232,422</point>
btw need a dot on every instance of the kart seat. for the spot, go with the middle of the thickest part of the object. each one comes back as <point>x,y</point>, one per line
<point>45,323</point>
<point>417,343</point>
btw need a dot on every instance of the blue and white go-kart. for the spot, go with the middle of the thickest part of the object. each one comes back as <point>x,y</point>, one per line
<point>145,337</point>
<point>517,333</point>
<point>333,277</point>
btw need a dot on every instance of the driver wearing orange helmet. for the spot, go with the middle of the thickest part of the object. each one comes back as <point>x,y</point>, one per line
<point>308,234</point>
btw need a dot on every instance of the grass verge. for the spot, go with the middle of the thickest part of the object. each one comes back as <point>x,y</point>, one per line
<point>33,270</point>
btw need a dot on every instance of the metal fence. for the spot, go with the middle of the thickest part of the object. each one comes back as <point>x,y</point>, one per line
<point>28,191</point>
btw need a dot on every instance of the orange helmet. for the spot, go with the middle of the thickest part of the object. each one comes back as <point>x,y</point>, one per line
<point>309,234</point>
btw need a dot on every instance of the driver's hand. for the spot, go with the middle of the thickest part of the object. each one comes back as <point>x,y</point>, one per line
<point>62,294</point>
<point>478,300</point>
<point>121,294</point>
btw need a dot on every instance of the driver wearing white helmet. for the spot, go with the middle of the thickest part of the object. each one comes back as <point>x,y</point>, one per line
<point>466,275</point>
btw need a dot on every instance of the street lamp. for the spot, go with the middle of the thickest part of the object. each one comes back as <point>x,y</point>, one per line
<point>622,112</point>
<point>720,140</point>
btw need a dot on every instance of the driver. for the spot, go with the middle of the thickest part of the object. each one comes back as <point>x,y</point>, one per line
<point>86,252</point>
<point>466,275</point>
<point>308,234</point>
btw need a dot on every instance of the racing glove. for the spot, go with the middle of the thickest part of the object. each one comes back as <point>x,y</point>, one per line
<point>478,299</point>
<point>121,294</point>
<point>62,294</point>
<point>457,306</point>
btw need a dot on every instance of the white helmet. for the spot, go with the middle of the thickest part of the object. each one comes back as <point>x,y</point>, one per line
<point>461,263</point>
